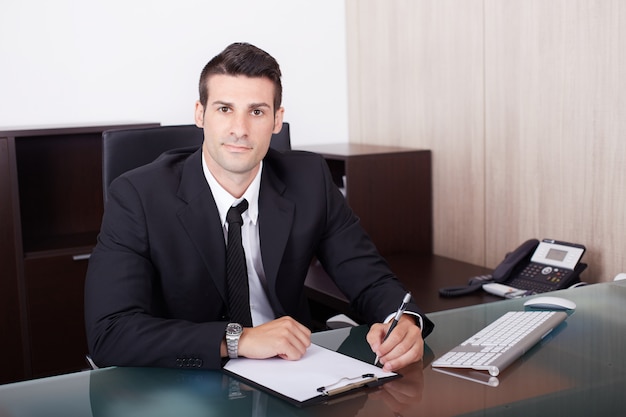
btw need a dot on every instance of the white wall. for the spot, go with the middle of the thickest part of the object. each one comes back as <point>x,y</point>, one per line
<point>86,61</point>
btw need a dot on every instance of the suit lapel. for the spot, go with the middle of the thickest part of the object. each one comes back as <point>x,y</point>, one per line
<point>275,221</point>
<point>201,220</point>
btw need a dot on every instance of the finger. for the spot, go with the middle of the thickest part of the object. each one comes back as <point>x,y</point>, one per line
<point>292,349</point>
<point>297,333</point>
<point>303,334</point>
<point>375,336</point>
<point>407,350</point>
<point>297,346</point>
<point>413,354</point>
<point>294,338</point>
<point>395,345</point>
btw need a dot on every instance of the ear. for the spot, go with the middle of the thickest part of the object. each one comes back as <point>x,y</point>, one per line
<point>199,114</point>
<point>278,120</point>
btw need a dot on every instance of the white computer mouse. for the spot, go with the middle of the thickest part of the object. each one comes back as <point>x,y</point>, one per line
<point>551,303</point>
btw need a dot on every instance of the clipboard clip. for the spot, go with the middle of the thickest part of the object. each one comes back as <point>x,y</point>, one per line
<point>359,381</point>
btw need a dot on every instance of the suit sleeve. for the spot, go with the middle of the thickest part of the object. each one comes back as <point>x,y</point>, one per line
<point>124,317</point>
<point>350,257</point>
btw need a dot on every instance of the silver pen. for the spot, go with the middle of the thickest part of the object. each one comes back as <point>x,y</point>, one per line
<point>394,323</point>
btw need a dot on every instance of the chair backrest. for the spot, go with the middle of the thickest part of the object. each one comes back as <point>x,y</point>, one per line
<point>125,149</point>
<point>281,141</point>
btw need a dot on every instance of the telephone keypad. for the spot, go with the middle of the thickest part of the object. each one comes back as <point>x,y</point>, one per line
<point>540,278</point>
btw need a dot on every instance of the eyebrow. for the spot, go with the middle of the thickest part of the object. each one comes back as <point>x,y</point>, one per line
<point>250,106</point>
<point>257,105</point>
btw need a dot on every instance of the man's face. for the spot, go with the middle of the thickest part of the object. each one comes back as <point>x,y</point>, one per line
<point>238,123</point>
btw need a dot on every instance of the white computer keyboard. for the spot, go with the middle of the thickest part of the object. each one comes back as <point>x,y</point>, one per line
<point>500,343</point>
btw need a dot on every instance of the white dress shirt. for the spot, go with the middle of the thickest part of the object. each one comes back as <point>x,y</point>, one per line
<point>259,304</point>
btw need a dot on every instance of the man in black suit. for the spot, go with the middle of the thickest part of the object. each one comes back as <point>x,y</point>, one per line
<point>156,291</point>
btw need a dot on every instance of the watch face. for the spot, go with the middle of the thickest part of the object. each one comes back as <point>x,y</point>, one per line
<point>234,329</point>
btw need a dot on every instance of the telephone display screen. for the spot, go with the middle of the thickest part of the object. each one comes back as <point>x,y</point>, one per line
<point>556,254</point>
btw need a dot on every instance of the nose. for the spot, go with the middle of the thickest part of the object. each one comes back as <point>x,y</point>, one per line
<point>239,126</point>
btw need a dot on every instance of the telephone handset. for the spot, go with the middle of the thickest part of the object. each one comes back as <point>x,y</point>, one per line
<point>534,267</point>
<point>512,259</point>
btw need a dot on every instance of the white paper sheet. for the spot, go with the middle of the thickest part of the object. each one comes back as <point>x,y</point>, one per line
<point>299,380</point>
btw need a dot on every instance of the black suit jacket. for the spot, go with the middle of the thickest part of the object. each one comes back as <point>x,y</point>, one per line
<point>155,291</point>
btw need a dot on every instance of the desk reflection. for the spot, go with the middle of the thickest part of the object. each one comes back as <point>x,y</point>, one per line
<point>160,392</point>
<point>154,392</point>
<point>578,370</point>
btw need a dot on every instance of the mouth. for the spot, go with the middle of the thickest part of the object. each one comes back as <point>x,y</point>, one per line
<point>237,147</point>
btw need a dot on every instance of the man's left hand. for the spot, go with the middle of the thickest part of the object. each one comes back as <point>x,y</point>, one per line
<point>403,346</point>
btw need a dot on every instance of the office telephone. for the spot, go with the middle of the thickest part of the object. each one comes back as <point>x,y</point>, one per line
<point>534,267</point>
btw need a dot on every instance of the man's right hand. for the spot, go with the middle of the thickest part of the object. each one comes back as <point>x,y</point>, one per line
<point>283,337</point>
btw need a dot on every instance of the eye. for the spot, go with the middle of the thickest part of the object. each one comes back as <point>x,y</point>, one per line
<point>257,112</point>
<point>223,109</point>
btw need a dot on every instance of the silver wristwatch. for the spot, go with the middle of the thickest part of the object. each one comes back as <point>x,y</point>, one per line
<point>233,332</point>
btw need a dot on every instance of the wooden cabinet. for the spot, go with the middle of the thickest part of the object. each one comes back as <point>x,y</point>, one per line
<point>390,189</point>
<point>51,193</point>
<point>54,286</point>
<point>11,345</point>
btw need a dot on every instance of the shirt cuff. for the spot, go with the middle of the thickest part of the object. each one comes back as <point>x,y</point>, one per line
<point>420,321</point>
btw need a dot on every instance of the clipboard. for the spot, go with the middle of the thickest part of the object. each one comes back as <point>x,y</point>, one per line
<point>320,376</point>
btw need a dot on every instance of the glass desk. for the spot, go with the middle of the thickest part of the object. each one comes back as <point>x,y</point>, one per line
<point>578,370</point>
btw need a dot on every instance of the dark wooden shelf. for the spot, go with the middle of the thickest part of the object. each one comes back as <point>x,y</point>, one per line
<point>55,245</point>
<point>51,193</point>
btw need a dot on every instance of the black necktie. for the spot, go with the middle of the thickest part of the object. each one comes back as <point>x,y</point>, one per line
<point>236,271</point>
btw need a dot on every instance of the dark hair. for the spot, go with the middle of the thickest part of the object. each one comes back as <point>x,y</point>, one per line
<point>242,59</point>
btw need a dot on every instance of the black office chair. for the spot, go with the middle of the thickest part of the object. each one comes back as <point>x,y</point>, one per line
<point>281,141</point>
<point>125,149</point>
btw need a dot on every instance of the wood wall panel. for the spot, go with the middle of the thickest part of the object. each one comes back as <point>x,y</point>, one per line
<point>555,115</point>
<point>415,79</point>
<point>523,104</point>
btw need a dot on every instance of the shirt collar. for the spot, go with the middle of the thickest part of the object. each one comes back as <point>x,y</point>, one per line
<point>224,200</point>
